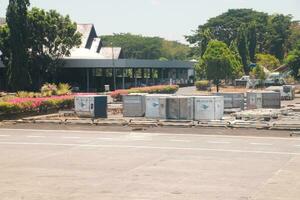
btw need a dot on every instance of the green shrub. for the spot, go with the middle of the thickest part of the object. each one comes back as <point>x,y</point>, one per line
<point>48,90</point>
<point>29,106</point>
<point>158,89</point>
<point>56,104</point>
<point>6,107</point>
<point>24,94</point>
<point>202,85</point>
<point>63,89</point>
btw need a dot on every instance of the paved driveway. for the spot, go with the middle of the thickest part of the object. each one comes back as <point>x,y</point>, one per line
<point>75,164</point>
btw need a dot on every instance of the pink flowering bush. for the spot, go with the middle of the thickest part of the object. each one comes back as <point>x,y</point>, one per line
<point>157,89</point>
<point>42,104</point>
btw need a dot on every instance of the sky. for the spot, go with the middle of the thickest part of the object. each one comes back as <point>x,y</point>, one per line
<point>170,19</point>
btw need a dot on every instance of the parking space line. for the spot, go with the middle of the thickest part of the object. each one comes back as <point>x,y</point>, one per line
<point>104,138</point>
<point>35,136</point>
<point>154,147</point>
<point>71,137</point>
<point>180,140</point>
<point>5,135</point>
<point>262,144</point>
<point>218,142</point>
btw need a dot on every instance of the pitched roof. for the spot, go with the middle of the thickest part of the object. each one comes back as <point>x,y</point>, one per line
<point>84,53</point>
<point>88,32</point>
<point>111,52</point>
<point>96,45</point>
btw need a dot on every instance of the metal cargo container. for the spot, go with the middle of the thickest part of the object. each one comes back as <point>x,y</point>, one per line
<point>208,107</point>
<point>287,92</point>
<point>233,100</point>
<point>271,100</point>
<point>91,106</point>
<point>156,106</point>
<point>180,108</point>
<point>263,99</point>
<point>134,105</point>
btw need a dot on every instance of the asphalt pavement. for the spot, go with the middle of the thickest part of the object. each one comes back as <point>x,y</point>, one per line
<point>39,164</point>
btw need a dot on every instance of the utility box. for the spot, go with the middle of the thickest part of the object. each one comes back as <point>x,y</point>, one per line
<point>233,100</point>
<point>263,99</point>
<point>180,108</point>
<point>287,92</point>
<point>209,107</point>
<point>156,106</point>
<point>134,105</point>
<point>91,106</point>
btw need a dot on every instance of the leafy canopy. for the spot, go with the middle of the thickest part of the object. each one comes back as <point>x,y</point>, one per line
<point>141,47</point>
<point>268,61</point>
<point>46,37</point>
<point>219,62</point>
<point>260,33</point>
<point>293,60</point>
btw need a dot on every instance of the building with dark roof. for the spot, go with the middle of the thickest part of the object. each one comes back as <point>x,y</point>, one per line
<point>91,66</point>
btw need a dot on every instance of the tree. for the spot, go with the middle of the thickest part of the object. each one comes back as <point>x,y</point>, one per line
<point>51,37</point>
<point>293,60</point>
<point>243,48</point>
<point>220,63</point>
<point>141,47</point>
<point>252,41</point>
<point>173,50</point>
<point>268,61</point>
<point>279,28</point>
<point>225,26</point>
<point>294,36</point>
<point>258,73</point>
<point>17,57</point>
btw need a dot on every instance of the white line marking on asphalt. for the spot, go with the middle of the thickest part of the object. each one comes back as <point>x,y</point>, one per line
<point>35,136</point>
<point>262,144</point>
<point>4,135</point>
<point>71,137</point>
<point>156,134</point>
<point>180,141</point>
<point>297,145</point>
<point>139,139</point>
<point>218,142</point>
<point>152,147</point>
<point>104,138</point>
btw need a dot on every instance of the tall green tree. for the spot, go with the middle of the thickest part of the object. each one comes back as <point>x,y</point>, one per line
<point>16,18</point>
<point>279,29</point>
<point>252,41</point>
<point>51,37</point>
<point>293,60</point>
<point>243,47</point>
<point>219,63</point>
<point>225,26</point>
<point>295,35</point>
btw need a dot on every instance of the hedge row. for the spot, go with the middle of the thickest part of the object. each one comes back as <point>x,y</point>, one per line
<point>32,106</point>
<point>158,89</point>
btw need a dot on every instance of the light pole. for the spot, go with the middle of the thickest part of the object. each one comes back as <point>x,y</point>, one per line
<point>113,64</point>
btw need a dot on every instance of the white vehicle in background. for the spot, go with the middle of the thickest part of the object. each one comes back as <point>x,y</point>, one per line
<point>274,79</point>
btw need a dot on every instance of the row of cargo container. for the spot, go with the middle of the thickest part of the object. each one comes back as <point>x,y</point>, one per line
<point>178,107</point>
<point>252,100</point>
<point>173,107</point>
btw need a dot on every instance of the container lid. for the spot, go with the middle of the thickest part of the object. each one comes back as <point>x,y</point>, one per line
<point>90,95</point>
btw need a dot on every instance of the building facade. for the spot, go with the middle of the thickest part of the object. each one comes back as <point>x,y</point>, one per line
<point>92,66</point>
